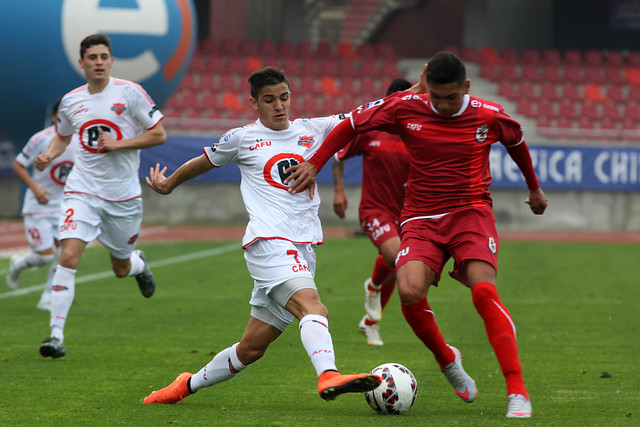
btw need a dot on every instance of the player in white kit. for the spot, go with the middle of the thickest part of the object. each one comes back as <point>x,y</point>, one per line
<point>279,242</point>
<point>41,207</point>
<point>102,198</point>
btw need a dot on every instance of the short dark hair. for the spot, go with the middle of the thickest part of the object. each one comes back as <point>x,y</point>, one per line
<point>397,85</point>
<point>267,76</point>
<point>55,106</point>
<point>93,40</point>
<point>445,68</point>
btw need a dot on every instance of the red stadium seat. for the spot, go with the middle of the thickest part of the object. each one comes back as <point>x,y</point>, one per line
<point>614,74</point>
<point>490,71</point>
<point>470,54</point>
<point>590,111</point>
<point>594,74</point>
<point>552,73</point>
<point>593,57</point>
<point>616,93</point>
<point>611,111</point>
<point>573,57</point>
<point>593,92</point>
<point>509,71</point>
<point>531,56</point>
<point>615,58</point>
<point>551,57</point>
<point>549,90</point>
<point>347,69</point>
<point>572,92</point>
<point>568,109</point>
<point>525,107</point>
<point>546,107</point>
<point>509,55</point>
<point>507,89</point>
<point>527,89</point>
<point>531,72</point>
<point>586,123</point>
<point>490,55</point>
<point>634,58</point>
<point>573,74</point>
<point>633,76</point>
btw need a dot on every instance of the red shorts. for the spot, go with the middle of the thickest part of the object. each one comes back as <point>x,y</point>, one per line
<point>461,235</point>
<point>380,227</point>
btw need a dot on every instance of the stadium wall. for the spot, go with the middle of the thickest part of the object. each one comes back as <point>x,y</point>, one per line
<point>221,203</point>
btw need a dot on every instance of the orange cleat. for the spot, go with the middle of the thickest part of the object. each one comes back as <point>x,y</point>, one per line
<point>331,384</point>
<point>174,392</point>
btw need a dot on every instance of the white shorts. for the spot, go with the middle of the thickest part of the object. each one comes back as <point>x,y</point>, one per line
<point>276,262</point>
<point>115,224</point>
<point>41,231</point>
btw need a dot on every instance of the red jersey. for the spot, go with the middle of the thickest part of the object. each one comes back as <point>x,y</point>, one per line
<point>449,156</point>
<point>385,168</point>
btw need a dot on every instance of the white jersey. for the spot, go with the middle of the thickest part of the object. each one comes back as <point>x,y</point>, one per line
<point>263,155</point>
<point>52,178</point>
<point>124,110</point>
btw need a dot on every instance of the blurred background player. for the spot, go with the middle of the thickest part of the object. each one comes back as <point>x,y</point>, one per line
<point>448,209</point>
<point>102,199</point>
<point>41,207</point>
<point>280,240</point>
<point>385,168</point>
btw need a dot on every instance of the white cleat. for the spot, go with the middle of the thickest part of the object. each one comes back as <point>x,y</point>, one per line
<point>519,406</point>
<point>462,383</point>
<point>45,302</point>
<point>372,303</point>
<point>370,332</point>
<point>13,274</point>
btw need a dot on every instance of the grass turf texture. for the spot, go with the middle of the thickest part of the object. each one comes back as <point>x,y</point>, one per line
<point>575,305</point>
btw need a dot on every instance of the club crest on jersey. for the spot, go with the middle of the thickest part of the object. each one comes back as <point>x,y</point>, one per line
<point>305,141</point>
<point>118,107</point>
<point>492,245</point>
<point>481,133</point>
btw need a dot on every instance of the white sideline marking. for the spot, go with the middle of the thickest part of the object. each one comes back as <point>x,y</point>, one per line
<point>104,274</point>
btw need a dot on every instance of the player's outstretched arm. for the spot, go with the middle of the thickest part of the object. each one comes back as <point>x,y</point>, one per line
<point>189,170</point>
<point>340,201</point>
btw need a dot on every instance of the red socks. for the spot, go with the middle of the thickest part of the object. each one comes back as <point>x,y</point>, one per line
<point>380,271</point>
<point>502,334</point>
<point>420,317</point>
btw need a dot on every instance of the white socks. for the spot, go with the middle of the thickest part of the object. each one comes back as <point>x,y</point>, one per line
<point>137,264</point>
<point>316,339</point>
<point>33,259</point>
<point>224,365</point>
<point>62,292</point>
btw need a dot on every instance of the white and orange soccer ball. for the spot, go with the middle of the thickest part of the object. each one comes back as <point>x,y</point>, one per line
<point>397,392</point>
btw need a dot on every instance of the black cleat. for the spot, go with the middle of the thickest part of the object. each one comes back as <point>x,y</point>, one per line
<point>52,347</point>
<point>146,282</point>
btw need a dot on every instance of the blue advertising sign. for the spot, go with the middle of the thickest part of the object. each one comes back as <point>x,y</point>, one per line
<point>571,168</point>
<point>152,41</point>
<point>558,167</point>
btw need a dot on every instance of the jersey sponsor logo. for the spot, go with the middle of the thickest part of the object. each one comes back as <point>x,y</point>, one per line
<point>410,97</point>
<point>403,252</point>
<point>90,132</point>
<point>414,126</point>
<point>373,104</point>
<point>60,172</point>
<point>118,107</point>
<point>482,132</point>
<point>259,144</point>
<point>81,109</point>
<point>153,110</point>
<point>477,104</point>
<point>305,141</point>
<point>274,169</point>
<point>491,244</point>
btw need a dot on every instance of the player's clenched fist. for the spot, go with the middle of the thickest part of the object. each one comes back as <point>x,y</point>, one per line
<point>42,161</point>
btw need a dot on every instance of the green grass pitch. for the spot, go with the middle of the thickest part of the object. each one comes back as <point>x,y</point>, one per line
<point>576,308</point>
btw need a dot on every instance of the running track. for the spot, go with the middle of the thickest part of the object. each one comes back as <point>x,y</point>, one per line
<point>12,237</point>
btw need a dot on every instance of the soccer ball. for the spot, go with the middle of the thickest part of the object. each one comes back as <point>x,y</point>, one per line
<point>397,392</point>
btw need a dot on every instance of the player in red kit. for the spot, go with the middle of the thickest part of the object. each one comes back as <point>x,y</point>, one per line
<point>448,208</point>
<point>385,167</point>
